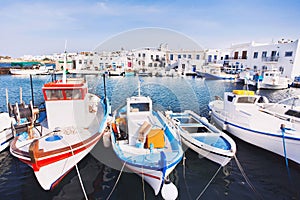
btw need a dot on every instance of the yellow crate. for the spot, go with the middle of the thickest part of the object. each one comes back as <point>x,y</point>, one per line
<point>156,137</point>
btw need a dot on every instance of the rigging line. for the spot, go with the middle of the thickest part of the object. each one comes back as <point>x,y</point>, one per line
<point>78,173</point>
<point>209,182</point>
<point>284,151</point>
<point>116,181</point>
<point>246,178</point>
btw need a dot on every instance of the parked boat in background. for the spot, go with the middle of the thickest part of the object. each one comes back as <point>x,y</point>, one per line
<point>145,144</point>
<point>54,138</point>
<point>214,71</point>
<point>202,137</point>
<point>271,126</point>
<point>39,70</point>
<point>273,81</point>
<point>296,82</point>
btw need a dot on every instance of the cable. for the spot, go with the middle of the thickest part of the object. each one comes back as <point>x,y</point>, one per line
<point>116,181</point>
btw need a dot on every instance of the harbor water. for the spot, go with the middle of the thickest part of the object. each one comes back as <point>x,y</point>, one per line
<point>254,174</point>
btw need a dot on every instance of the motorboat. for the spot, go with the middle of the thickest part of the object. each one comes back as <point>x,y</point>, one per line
<point>205,139</point>
<point>250,117</point>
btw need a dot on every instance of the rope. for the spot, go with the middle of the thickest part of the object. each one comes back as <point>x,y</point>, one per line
<point>246,178</point>
<point>209,183</point>
<point>284,151</point>
<point>183,163</point>
<point>116,181</point>
<point>143,184</point>
<point>78,173</point>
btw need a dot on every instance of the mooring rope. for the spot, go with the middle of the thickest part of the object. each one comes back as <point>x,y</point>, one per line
<point>209,183</point>
<point>143,184</point>
<point>78,173</point>
<point>116,181</point>
<point>246,178</point>
<point>183,169</point>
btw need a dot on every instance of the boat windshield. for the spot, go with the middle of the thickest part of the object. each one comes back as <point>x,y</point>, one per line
<point>139,107</point>
<point>246,99</point>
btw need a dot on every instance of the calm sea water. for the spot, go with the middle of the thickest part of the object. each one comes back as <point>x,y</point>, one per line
<point>266,171</point>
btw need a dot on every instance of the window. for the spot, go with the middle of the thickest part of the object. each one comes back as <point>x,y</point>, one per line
<point>215,57</point>
<point>264,54</point>
<point>288,54</point>
<point>171,56</point>
<point>189,56</point>
<point>197,57</point>
<point>54,94</point>
<point>244,55</point>
<point>236,55</point>
<point>73,94</point>
<point>144,55</point>
<point>281,69</point>
<point>179,56</point>
<point>226,57</point>
<point>229,98</point>
<point>209,58</point>
<point>184,55</point>
<point>80,61</point>
<point>139,107</point>
<point>246,100</point>
<point>255,55</point>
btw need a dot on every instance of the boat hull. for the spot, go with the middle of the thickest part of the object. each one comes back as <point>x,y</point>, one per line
<point>273,142</point>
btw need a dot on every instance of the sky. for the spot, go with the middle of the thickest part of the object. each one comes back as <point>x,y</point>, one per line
<point>38,27</point>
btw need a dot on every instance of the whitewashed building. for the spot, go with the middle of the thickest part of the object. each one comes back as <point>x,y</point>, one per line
<point>283,55</point>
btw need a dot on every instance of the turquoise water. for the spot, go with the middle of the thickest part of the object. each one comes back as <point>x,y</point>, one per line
<point>266,171</point>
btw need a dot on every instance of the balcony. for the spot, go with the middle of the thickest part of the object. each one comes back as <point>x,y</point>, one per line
<point>270,59</point>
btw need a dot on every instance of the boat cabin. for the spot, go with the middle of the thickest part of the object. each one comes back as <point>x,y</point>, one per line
<point>65,102</point>
<point>242,97</point>
<point>139,112</point>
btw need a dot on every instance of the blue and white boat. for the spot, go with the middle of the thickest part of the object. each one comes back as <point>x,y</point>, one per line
<point>202,137</point>
<point>142,140</point>
<point>250,117</point>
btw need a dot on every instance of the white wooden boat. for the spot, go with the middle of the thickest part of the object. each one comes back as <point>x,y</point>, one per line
<point>250,117</point>
<point>54,139</point>
<point>202,137</point>
<point>144,143</point>
<point>6,135</point>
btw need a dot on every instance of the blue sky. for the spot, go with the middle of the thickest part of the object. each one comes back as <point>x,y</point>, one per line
<point>41,27</point>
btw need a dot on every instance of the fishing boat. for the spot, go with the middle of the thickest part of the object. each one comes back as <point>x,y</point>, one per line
<point>273,81</point>
<point>145,144</point>
<point>202,137</point>
<point>6,135</point>
<point>250,117</point>
<point>53,138</point>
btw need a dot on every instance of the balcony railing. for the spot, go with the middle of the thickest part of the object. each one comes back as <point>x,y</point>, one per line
<point>270,59</point>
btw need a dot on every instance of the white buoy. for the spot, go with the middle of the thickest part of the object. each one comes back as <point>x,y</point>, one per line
<point>106,139</point>
<point>169,191</point>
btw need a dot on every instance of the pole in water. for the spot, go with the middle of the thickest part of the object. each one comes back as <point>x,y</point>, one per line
<point>282,127</point>
<point>104,87</point>
<point>31,90</point>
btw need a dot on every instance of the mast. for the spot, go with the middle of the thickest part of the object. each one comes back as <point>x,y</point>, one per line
<point>64,79</point>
